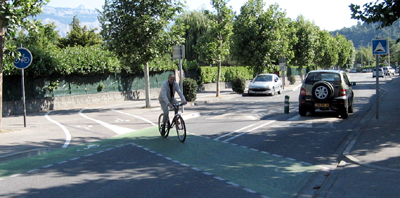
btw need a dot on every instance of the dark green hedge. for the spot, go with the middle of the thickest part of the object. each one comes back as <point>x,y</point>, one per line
<point>209,74</point>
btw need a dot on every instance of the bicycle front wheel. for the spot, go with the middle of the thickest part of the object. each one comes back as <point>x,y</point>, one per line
<point>163,132</point>
<point>180,129</point>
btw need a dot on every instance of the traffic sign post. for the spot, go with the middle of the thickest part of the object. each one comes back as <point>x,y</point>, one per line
<point>178,52</point>
<point>23,62</point>
<point>379,47</point>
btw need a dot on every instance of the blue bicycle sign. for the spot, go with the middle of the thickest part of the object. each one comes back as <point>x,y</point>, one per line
<point>24,60</point>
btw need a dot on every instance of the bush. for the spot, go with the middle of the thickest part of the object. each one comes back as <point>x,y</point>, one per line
<point>100,87</point>
<point>238,84</point>
<point>292,79</point>
<point>189,89</point>
<point>209,74</point>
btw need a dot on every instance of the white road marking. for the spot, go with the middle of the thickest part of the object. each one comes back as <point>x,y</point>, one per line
<point>234,132</point>
<point>67,134</point>
<point>128,114</point>
<point>114,128</point>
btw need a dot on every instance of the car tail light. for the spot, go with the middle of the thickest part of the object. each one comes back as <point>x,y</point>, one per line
<point>342,92</point>
<point>303,92</point>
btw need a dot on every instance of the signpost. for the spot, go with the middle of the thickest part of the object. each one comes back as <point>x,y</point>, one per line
<point>23,62</point>
<point>379,47</point>
<point>178,52</point>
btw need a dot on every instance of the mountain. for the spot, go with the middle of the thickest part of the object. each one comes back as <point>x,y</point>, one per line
<point>62,17</point>
<point>363,33</point>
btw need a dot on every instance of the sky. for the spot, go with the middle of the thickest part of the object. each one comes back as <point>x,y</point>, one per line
<point>328,15</point>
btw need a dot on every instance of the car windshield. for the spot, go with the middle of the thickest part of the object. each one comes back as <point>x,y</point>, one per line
<point>263,78</point>
<point>330,77</point>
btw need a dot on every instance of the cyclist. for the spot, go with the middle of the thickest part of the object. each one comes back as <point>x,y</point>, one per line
<point>166,97</point>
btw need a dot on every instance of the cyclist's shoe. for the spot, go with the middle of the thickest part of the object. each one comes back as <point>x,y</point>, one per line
<point>179,125</point>
<point>162,130</point>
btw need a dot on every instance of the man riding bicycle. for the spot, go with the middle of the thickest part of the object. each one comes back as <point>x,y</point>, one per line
<point>166,97</point>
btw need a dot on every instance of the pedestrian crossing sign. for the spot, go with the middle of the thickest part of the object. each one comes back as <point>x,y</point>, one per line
<point>380,47</point>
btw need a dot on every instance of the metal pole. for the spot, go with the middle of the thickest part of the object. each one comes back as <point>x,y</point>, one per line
<point>23,95</point>
<point>377,85</point>
<point>181,72</point>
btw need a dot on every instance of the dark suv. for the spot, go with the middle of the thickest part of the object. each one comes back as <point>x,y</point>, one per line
<point>326,90</point>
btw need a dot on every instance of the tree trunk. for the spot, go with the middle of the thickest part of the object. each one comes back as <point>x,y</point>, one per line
<point>147,84</point>
<point>2,40</point>
<point>218,77</point>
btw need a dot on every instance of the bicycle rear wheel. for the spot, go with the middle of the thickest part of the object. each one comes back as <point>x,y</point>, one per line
<point>180,129</point>
<point>164,133</point>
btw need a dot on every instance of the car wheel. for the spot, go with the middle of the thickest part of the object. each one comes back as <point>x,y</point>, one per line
<point>322,91</point>
<point>273,92</point>
<point>280,90</point>
<point>344,113</point>
<point>302,111</point>
<point>351,109</point>
<point>250,94</point>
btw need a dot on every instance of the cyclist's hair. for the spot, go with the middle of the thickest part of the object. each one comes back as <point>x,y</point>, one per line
<point>171,74</point>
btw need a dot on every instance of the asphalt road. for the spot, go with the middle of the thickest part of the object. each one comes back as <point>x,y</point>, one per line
<point>242,148</point>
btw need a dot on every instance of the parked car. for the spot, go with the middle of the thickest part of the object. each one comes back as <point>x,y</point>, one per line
<point>326,90</point>
<point>380,73</point>
<point>265,84</point>
<point>354,70</point>
<point>388,70</point>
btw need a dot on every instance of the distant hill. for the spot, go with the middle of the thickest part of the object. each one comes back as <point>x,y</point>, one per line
<point>362,33</point>
<point>62,17</point>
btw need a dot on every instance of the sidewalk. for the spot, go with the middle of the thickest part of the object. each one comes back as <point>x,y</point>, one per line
<point>371,164</point>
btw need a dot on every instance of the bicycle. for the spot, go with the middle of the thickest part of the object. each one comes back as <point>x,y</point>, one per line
<point>177,122</point>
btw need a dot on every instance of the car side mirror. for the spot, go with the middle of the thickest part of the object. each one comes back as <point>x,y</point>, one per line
<point>353,83</point>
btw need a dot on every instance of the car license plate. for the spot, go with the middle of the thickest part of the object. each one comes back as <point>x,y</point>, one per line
<point>321,104</point>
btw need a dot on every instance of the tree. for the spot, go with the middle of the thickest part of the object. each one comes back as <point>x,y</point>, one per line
<point>344,49</point>
<point>215,44</point>
<point>13,15</point>
<point>197,23</point>
<point>261,37</point>
<point>42,42</point>
<point>386,12</point>
<point>136,31</point>
<point>80,36</point>
<point>304,49</point>
<point>326,54</point>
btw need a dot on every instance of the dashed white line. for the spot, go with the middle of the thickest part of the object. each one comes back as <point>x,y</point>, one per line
<point>207,173</point>
<point>67,134</point>
<point>48,166</point>
<point>249,190</point>
<point>233,184</point>
<point>73,159</point>
<point>219,178</point>
<point>31,171</point>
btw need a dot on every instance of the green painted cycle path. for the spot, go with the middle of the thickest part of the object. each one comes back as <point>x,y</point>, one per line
<point>264,173</point>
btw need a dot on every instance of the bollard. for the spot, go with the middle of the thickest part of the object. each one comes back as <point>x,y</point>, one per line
<point>287,104</point>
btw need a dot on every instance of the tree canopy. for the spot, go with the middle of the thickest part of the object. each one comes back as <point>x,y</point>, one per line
<point>386,12</point>
<point>261,37</point>
<point>136,30</point>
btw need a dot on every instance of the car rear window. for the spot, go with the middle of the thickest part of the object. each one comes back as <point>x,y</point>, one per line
<point>263,78</point>
<point>330,77</point>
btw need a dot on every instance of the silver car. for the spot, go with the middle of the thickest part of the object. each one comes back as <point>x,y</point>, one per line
<point>268,84</point>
